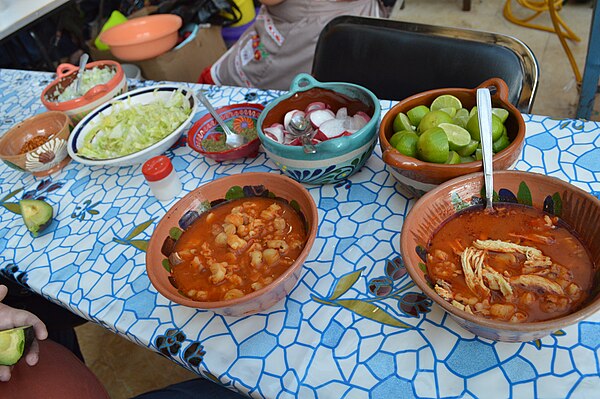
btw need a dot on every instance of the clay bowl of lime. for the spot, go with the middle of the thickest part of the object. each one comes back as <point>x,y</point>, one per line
<point>432,137</point>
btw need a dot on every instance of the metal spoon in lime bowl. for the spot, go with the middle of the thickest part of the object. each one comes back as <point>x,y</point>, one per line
<point>232,140</point>
<point>484,114</point>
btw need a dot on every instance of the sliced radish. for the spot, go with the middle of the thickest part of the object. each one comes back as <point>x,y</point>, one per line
<point>355,122</point>
<point>275,132</point>
<point>315,106</point>
<point>333,128</point>
<point>341,113</point>
<point>320,136</point>
<point>319,116</point>
<point>288,117</point>
<point>364,115</point>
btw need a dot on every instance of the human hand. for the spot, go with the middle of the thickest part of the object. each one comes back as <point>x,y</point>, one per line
<point>11,318</point>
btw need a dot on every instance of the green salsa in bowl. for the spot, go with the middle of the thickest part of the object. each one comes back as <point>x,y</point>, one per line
<point>208,138</point>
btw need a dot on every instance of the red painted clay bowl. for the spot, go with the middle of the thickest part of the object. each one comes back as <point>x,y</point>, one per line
<point>574,206</point>
<point>143,38</point>
<point>79,107</point>
<point>239,118</point>
<point>45,159</point>
<point>418,177</point>
<point>188,209</point>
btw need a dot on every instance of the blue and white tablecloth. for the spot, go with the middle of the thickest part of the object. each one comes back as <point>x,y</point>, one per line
<point>92,261</point>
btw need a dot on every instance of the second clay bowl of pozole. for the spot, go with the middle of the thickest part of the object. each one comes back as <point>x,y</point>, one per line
<point>518,273</point>
<point>235,245</point>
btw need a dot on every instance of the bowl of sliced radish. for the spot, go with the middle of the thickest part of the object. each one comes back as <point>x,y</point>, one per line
<point>343,123</point>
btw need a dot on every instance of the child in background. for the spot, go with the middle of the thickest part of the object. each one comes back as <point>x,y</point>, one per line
<point>281,42</point>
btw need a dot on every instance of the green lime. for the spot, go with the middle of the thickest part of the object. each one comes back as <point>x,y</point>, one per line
<point>446,101</point>
<point>501,143</point>
<point>501,113</point>
<point>467,159</point>
<point>432,146</point>
<point>478,154</point>
<point>417,113</point>
<point>473,127</point>
<point>457,136</point>
<point>473,111</point>
<point>469,149</point>
<point>449,111</point>
<point>453,158</point>
<point>461,117</point>
<point>395,137</point>
<point>407,144</point>
<point>401,122</point>
<point>433,119</point>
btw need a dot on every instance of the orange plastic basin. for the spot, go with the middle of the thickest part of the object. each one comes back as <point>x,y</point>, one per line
<point>143,38</point>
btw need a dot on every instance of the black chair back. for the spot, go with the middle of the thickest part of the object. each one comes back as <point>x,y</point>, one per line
<point>397,59</point>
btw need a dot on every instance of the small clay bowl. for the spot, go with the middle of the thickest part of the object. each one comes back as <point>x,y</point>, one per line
<point>79,107</point>
<point>580,210</point>
<point>417,177</point>
<point>47,158</point>
<point>189,208</point>
<point>238,117</point>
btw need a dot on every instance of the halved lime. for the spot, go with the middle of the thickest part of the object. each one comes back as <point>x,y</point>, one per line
<point>445,101</point>
<point>501,143</point>
<point>449,111</point>
<point>407,143</point>
<point>469,149</point>
<point>473,111</point>
<point>395,137</point>
<point>501,113</point>
<point>462,117</point>
<point>401,122</point>
<point>473,127</point>
<point>417,113</point>
<point>432,146</point>
<point>467,159</point>
<point>478,154</point>
<point>453,158</point>
<point>433,119</point>
<point>457,136</point>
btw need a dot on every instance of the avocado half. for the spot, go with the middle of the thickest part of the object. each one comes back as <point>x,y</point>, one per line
<point>13,343</point>
<point>37,215</point>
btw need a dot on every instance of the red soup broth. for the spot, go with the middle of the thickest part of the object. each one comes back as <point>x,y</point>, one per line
<point>523,265</point>
<point>237,247</point>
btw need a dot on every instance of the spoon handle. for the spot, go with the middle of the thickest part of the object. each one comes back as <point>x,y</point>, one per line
<point>484,113</point>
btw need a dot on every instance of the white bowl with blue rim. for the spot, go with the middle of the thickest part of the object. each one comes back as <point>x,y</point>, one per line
<point>145,95</point>
<point>336,159</point>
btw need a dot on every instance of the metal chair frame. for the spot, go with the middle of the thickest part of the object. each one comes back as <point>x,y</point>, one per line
<point>528,62</point>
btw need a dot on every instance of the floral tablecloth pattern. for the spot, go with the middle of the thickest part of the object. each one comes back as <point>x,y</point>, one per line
<point>321,341</point>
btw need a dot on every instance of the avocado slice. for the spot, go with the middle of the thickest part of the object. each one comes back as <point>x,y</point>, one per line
<point>13,343</point>
<point>37,215</point>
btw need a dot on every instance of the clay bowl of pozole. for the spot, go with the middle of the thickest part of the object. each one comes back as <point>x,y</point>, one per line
<point>518,273</point>
<point>235,245</point>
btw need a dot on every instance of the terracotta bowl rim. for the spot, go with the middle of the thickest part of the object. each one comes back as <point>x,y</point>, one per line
<point>563,321</point>
<point>81,101</point>
<point>462,168</point>
<point>312,234</point>
<point>56,115</point>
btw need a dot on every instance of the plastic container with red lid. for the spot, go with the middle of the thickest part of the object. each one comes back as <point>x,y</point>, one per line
<point>162,178</point>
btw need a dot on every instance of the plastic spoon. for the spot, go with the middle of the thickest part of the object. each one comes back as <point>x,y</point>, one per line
<point>233,140</point>
<point>484,113</point>
<point>301,128</point>
<point>82,63</point>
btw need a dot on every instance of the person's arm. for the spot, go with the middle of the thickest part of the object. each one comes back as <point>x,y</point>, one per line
<point>11,318</point>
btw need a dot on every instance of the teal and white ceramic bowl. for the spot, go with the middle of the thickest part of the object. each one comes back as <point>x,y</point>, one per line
<point>336,159</point>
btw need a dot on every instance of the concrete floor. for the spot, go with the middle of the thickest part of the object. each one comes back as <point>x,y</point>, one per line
<point>142,370</point>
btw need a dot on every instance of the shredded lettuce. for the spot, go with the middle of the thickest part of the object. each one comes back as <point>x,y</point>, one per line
<point>130,128</point>
<point>89,78</point>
